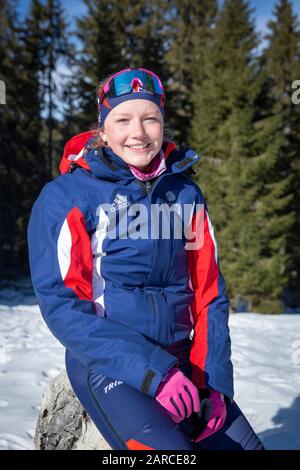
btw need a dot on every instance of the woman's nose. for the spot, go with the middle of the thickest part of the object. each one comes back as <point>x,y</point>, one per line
<point>138,130</point>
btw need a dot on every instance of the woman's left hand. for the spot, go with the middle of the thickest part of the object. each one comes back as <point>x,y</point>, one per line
<point>217,416</point>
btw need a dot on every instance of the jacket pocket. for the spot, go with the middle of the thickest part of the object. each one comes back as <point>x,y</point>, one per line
<point>130,307</point>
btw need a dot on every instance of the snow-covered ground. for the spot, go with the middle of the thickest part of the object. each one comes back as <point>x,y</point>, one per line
<point>266,357</point>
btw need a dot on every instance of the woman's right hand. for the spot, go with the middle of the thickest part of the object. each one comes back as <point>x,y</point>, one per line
<point>178,395</point>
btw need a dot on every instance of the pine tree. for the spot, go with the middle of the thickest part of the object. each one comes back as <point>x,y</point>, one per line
<point>6,13</point>
<point>56,48</point>
<point>24,165</point>
<point>18,144</point>
<point>188,30</point>
<point>221,126</point>
<point>240,147</point>
<point>281,60</point>
<point>45,39</point>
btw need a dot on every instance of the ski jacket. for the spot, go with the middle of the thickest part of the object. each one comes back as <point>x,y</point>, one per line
<point>118,303</point>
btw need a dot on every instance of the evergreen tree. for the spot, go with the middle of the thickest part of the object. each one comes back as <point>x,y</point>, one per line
<point>281,60</point>
<point>24,170</point>
<point>188,30</point>
<point>56,48</point>
<point>45,42</point>
<point>18,144</point>
<point>240,147</point>
<point>6,15</point>
<point>221,126</point>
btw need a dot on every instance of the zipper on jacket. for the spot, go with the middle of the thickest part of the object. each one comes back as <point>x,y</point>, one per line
<point>152,301</point>
<point>163,295</point>
<point>144,185</point>
<point>148,186</point>
<point>153,304</point>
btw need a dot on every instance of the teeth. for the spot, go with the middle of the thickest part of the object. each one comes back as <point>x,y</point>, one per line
<point>138,146</point>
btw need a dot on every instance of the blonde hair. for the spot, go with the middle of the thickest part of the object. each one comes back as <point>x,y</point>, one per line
<point>98,141</point>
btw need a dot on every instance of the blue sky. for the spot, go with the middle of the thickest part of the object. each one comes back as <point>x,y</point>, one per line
<point>263,10</point>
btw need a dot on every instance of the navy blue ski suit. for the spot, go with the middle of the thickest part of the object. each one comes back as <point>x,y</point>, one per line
<point>128,309</point>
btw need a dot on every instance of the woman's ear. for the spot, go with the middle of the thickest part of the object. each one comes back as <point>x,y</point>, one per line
<point>103,136</point>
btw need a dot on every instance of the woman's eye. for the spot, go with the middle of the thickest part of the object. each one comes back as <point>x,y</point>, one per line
<point>126,120</point>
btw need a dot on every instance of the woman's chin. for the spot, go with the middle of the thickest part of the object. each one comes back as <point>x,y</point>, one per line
<point>140,161</point>
<point>139,165</point>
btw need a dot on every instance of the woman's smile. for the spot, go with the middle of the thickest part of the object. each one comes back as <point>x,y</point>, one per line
<point>138,148</point>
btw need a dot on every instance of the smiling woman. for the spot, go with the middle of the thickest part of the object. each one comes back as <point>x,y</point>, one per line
<point>144,319</point>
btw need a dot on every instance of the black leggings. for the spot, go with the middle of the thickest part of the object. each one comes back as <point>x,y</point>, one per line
<point>128,419</point>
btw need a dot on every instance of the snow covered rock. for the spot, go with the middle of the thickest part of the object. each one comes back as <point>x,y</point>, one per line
<point>63,423</point>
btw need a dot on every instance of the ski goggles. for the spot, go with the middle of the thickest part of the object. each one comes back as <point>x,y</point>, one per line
<point>130,81</point>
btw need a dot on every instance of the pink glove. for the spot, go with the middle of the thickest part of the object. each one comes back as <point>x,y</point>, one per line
<point>217,415</point>
<point>178,395</point>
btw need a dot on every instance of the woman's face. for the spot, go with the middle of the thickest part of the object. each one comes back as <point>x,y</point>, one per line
<point>135,123</point>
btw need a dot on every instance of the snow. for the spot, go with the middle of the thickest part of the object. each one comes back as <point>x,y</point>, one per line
<point>265,354</point>
<point>29,357</point>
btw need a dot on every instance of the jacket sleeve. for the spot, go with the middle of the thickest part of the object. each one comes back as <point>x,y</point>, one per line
<point>61,267</point>
<point>210,354</point>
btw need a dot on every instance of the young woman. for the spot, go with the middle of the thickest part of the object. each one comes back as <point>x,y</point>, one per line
<point>125,268</point>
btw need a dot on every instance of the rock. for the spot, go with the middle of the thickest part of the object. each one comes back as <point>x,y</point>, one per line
<point>63,424</point>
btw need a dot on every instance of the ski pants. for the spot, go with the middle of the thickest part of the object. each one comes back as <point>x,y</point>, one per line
<point>130,420</point>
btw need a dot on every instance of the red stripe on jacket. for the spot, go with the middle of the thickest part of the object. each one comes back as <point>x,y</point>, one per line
<point>80,273</point>
<point>204,274</point>
<point>132,444</point>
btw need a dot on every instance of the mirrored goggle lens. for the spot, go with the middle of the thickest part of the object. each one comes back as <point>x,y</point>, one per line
<point>125,82</point>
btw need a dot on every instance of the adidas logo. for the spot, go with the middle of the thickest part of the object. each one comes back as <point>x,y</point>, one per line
<point>170,196</point>
<point>119,202</point>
